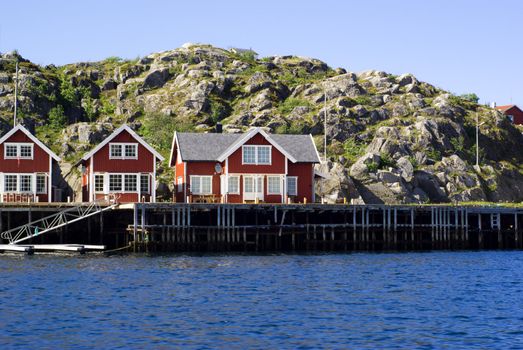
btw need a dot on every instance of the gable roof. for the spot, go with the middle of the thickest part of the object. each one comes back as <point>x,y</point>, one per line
<point>118,132</point>
<point>33,138</point>
<point>506,107</point>
<point>217,147</point>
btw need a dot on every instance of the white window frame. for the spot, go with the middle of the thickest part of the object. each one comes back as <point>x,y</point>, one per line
<point>130,179</point>
<point>18,176</point>
<point>103,183</point>
<point>148,177</point>
<point>122,147</point>
<point>44,191</point>
<point>256,154</point>
<point>109,182</point>
<point>198,179</point>
<point>122,176</point>
<point>278,181</point>
<point>236,179</point>
<point>4,189</point>
<point>295,178</point>
<point>18,146</point>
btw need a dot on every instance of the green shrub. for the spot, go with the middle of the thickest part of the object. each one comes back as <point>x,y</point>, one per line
<point>290,103</point>
<point>362,100</point>
<point>57,117</point>
<point>353,150</point>
<point>433,154</point>
<point>373,167</point>
<point>470,97</point>
<point>386,161</point>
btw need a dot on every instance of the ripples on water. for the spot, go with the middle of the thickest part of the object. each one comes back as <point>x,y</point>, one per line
<point>413,300</point>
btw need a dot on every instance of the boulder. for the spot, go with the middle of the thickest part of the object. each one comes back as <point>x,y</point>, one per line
<point>406,79</point>
<point>359,170</point>
<point>156,79</point>
<point>336,184</point>
<point>388,177</point>
<point>406,169</point>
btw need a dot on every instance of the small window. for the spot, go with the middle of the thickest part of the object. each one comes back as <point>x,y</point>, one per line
<point>510,118</point>
<point>234,184</point>
<point>144,183</point>
<point>41,183</point>
<point>98,183</point>
<point>249,154</point>
<point>292,186</point>
<point>131,151</point>
<point>115,150</point>
<point>26,151</point>
<point>129,183</point>
<point>11,151</point>
<point>201,184</point>
<point>273,185</point>
<point>115,182</point>
<point>180,184</point>
<point>206,184</point>
<point>264,155</point>
<point>25,183</point>
<point>10,183</point>
<point>18,151</point>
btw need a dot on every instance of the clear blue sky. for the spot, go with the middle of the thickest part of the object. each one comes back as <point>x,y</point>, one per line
<point>460,45</point>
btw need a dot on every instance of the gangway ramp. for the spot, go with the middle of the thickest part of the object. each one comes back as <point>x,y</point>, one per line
<point>60,219</point>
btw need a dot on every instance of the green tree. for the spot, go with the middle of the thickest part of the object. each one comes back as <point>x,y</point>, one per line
<point>57,117</point>
<point>470,97</point>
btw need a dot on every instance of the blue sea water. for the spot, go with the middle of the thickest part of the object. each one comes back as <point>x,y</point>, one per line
<point>436,300</point>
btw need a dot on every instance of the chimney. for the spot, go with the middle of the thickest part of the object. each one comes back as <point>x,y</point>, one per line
<point>219,128</point>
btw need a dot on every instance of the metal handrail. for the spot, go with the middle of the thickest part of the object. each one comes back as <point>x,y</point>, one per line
<point>57,220</point>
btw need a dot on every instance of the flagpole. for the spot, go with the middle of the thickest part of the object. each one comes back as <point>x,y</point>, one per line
<point>16,94</point>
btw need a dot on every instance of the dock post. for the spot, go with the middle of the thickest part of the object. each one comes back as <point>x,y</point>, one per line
<point>515,230</point>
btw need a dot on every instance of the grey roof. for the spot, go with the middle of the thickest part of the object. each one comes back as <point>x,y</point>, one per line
<point>300,147</point>
<point>209,146</point>
<point>204,147</point>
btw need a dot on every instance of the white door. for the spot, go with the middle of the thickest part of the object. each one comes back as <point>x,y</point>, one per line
<point>252,187</point>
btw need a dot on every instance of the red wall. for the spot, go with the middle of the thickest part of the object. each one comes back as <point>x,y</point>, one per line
<point>102,163</point>
<point>39,163</point>
<point>144,163</point>
<point>203,168</point>
<point>277,160</point>
<point>305,180</point>
<point>517,113</point>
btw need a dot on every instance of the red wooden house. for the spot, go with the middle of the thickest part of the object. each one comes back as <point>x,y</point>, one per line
<point>26,168</point>
<point>123,165</point>
<point>249,167</point>
<point>513,113</point>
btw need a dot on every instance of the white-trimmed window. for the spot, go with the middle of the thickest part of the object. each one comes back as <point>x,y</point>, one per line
<point>18,150</point>
<point>201,184</point>
<point>98,183</point>
<point>123,151</point>
<point>273,185</point>
<point>292,185</point>
<point>115,182</point>
<point>263,154</point>
<point>234,185</point>
<point>41,183</point>
<point>26,183</point>
<point>129,182</point>
<point>258,155</point>
<point>10,183</point>
<point>144,183</point>
<point>180,184</point>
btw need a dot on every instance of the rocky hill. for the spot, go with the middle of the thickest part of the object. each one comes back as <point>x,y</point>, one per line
<point>391,138</point>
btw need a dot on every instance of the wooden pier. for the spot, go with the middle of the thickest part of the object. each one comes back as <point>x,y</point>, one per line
<point>311,227</point>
